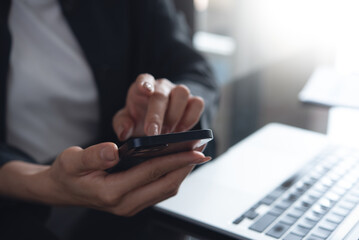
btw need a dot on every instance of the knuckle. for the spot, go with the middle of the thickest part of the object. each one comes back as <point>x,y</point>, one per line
<point>144,76</point>
<point>159,95</point>
<point>86,158</point>
<point>118,212</point>
<point>198,101</point>
<point>182,91</point>
<point>163,81</point>
<point>63,159</point>
<point>174,193</point>
<point>171,189</point>
<point>108,199</point>
<point>163,87</point>
<point>154,174</point>
<point>129,213</point>
<point>68,151</point>
<point>124,211</point>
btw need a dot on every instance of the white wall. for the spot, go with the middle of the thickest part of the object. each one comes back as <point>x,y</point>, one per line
<point>269,30</point>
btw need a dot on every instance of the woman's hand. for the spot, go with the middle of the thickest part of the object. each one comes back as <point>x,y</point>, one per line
<point>78,177</point>
<point>157,106</point>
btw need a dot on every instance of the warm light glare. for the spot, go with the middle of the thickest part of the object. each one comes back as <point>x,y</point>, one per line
<point>201,5</point>
<point>326,24</point>
<point>265,31</point>
<point>213,43</point>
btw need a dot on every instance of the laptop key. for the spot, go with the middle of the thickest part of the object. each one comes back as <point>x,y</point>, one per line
<point>238,220</point>
<point>310,180</point>
<point>320,188</point>
<point>271,197</point>
<point>289,182</point>
<point>347,204</point>
<point>268,200</point>
<point>353,197</point>
<point>306,204</point>
<point>314,194</point>
<point>334,176</point>
<point>278,230</point>
<point>295,212</point>
<point>284,204</point>
<point>292,197</point>
<point>251,214</point>
<point>317,209</point>
<point>327,182</point>
<point>333,196</point>
<point>292,236</point>
<point>335,218</point>
<point>289,219</point>
<point>307,223</point>
<point>300,230</point>
<point>277,192</point>
<point>303,206</point>
<point>341,211</point>
<point>321,232</point>
<point>276,211</point>
<point>261,224</point>
<point>314,237</point>
<point>340,190</point>
<point>329,225</point>
<point>309,200</point>
<point>314,216</point>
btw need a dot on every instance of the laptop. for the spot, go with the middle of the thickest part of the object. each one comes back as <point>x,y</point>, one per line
<point>280,183</point>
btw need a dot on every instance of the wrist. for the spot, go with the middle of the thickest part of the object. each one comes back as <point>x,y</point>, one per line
<point>30,182</point>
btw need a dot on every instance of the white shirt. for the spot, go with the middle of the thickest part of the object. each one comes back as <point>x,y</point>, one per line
<point>52,98</point>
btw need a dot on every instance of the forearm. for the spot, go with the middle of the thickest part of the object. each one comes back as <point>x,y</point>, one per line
<point>29,182</point>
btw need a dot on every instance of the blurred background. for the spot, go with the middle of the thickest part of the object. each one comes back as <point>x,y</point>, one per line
<point>264,51</point>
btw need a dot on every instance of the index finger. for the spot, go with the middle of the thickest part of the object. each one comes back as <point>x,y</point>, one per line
<point>157,107</point>
<point>144,85</point>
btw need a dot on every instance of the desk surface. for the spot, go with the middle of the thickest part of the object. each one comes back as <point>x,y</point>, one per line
<point>247,104</point>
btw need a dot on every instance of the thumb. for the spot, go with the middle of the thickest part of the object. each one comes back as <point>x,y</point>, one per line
<point>97,157</point>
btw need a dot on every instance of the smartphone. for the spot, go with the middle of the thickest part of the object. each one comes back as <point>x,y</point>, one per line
<point>137,150</point>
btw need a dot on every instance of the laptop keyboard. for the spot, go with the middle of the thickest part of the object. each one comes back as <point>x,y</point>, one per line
<point>313,203</point>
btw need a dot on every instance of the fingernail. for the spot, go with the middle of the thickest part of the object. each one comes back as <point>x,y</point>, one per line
<point>120,131</point>
<point>165,130</point>
<point>181,129</point>
<point>148,86</point>
<point>153,129</point>
<point>128,134</point>
<point>202,160</point>
<point>108,153</point>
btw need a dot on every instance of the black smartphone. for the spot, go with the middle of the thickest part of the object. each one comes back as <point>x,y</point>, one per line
<point>137,150</point>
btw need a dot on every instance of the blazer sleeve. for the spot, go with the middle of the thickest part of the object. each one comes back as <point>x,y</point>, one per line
<point>165,50</point>
<point>9,153</point>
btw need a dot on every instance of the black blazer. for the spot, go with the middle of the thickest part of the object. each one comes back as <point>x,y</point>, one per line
<point>120,40</point>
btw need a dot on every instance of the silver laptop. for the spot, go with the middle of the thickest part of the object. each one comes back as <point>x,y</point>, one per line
<point>280,183</point>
